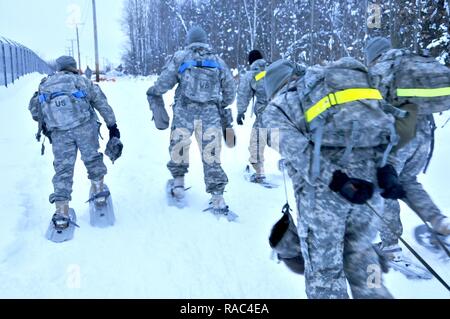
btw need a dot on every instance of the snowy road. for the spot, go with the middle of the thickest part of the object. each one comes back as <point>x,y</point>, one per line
<point>155,251</point>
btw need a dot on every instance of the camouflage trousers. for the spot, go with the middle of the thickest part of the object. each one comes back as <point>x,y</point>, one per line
<point>336,240</point>
<point>204,121</point>
<point>65,146</point>
<point>410,161</point>
<point>259,138</point>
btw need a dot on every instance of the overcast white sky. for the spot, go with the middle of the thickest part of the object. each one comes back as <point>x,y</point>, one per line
<point>43,26</point>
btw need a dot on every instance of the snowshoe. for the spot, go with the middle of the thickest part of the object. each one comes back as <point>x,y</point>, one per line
<point>62,228</point>
<point>101,209</point>
<point>258,179</point>
<point>175,198</point>
<point>394,258</point>
<point>219,209</point>
<point>426,239</point>
<point>410,269</point>
<point>222,212</point>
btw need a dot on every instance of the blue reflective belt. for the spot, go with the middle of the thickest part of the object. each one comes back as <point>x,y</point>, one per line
<point>200,64</point>
<point>42,98</point>
<point>77,94</point>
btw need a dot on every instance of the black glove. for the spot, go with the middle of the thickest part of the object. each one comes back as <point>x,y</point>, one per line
<point>113,131</point>
<point>240,118</point>
<point>388,181</point>
<point>356,191</point>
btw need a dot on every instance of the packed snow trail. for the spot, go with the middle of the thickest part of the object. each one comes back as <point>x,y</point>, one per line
<point>156,251</point>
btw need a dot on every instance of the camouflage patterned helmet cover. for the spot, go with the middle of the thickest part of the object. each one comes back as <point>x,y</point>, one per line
<point>114,149</point>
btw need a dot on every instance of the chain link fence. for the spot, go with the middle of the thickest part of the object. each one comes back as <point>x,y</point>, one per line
<point>17,60</point>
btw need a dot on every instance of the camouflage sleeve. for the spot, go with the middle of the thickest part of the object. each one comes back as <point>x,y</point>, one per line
<point>228,85</point>
<point>34,105</point>
<point>291,144</point>
<point>245,92</point>
<point>168,77</point>
<point>99,102</point>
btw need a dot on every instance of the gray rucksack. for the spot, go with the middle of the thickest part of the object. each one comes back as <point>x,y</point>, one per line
<point>419,80</point>
<point>64,102</point>
<point>342,110</point>
<point>200,77</point>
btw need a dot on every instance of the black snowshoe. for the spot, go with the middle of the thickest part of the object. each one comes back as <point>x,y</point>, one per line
<point>258,179</point>
<point>62,228</point>
<point>221,210</point>
<point>101,209</point>
<point>172,200</point>
<point>402,263</point>
<point>426,239</point>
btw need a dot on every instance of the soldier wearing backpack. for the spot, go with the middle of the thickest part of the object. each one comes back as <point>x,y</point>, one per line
<point>205,89</point>
<point>334,137</point>
<point>65,106</point>
<point>421,86</point>
<point>251,86</point>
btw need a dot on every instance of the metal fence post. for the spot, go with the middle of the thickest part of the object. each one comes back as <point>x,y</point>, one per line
<point>17,60</point>
<point>11,57</point>
<point>4,64</point>
<point>17,63</point>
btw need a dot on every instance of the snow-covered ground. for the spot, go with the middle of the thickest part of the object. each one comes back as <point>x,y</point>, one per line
<point>155,251</point>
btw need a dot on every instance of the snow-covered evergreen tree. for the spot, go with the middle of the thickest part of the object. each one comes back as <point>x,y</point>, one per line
<point>307,31</point>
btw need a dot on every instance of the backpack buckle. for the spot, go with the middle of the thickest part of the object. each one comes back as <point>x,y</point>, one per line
<point>332,99</point>
<point>43,98</point>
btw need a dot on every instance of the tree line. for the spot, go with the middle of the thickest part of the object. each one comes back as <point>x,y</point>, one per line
<point>305,31</point>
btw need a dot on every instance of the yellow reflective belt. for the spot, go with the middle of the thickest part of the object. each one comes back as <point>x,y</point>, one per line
<point>341,97</point>
<point>260,75</point>
<point>423,92</point>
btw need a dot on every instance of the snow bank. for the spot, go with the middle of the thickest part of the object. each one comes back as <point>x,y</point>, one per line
<point>155,251</point>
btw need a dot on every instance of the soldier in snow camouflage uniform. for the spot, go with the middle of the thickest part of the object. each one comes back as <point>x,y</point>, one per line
<point>335,235</point>
<point>408,161</point>
<point>251,85</point>
<point>64,107</point>
<point>205,85</point>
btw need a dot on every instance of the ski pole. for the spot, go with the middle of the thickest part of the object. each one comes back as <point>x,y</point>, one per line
<point>422,261</point>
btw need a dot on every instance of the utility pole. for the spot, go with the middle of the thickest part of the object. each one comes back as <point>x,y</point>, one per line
<point>79,56</point>
<point>72,52</point>
<point>97,67</point>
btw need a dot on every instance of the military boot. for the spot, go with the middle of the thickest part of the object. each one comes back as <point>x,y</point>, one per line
<point>98,193</point>
<point>178,190</point>
<point>441,224</point>
<point>61,216</point>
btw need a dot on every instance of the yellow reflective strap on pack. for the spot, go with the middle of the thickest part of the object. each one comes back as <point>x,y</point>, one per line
<point>341,97</point>
<point>423,92</point>
<point>260,75</point>
<point>351,95</point>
